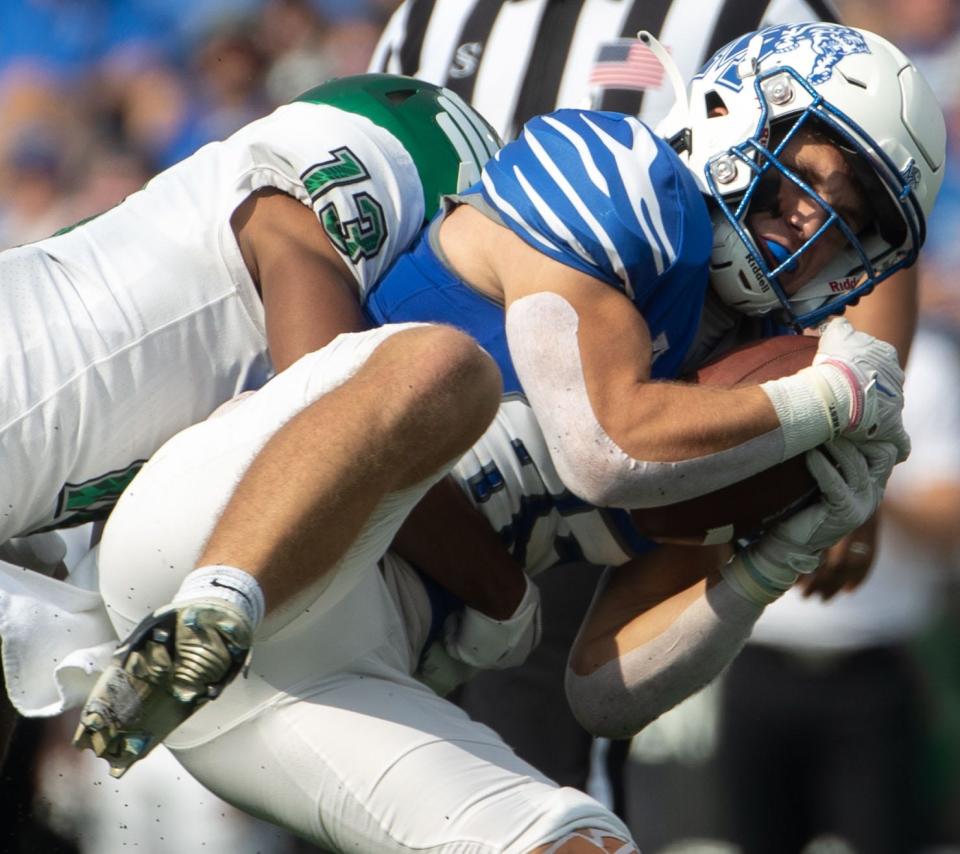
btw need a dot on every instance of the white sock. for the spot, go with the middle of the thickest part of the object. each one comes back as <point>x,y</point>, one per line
<point>234,586</point>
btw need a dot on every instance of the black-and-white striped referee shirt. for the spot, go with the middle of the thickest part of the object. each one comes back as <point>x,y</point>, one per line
<point>514,59</point>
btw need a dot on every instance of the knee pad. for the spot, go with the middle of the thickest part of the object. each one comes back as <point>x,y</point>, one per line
<point>594,837</point>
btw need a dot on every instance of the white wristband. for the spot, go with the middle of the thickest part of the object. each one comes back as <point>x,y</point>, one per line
<point>814,406</point>
<point>234,586</point>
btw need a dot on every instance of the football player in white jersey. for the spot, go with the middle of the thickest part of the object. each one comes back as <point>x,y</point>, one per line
<point>277,743</point>
<point>224,268</point>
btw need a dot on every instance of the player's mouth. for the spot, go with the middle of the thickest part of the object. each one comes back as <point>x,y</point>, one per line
<point>774,254</point>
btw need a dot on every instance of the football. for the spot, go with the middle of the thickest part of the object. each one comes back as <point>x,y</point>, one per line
<point>747,507</point>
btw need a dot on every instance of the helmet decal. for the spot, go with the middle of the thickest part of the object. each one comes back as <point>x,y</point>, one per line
<point>911,175</point>
<point>829,44</point>
<point>467,135</point>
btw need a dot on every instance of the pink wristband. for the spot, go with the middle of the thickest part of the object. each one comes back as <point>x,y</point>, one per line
<point>857,401</point>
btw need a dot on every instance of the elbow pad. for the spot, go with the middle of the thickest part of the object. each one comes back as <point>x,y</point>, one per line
<point>624,695</point>
<point>542,335</point>
<point>43,552</point>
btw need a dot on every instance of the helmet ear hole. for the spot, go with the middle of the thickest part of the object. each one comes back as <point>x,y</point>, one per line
<point>853,81</point>
<point>398,96</point>
<point>715,104</point>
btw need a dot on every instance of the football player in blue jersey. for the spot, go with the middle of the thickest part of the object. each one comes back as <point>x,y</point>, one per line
<point>589,264</point>
<point>815,190</point>
<point>592,259</point>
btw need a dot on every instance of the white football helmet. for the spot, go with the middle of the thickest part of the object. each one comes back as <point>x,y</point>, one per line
<point>751,99</point>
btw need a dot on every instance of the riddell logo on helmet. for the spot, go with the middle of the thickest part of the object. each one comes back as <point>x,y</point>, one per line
<point>841,286</point>
<point>759,276</point>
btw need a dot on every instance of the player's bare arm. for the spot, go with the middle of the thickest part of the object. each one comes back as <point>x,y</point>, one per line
<point>448,538</point>
<point>619,439</point>
<point>890,312</point>
<point>656,632</point>
<point>640,599</point>
<point>309,295</point>
<point>648,420</point>
<point>662,627</point>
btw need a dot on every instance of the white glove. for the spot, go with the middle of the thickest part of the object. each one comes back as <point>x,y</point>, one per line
<point>851,477</point>
<point>875,370</point>
<point>854,388</point>
<point>440,672</point>
<point>483,642</point>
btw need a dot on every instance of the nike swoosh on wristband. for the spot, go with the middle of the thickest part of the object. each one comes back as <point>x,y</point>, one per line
<point>215,583</point>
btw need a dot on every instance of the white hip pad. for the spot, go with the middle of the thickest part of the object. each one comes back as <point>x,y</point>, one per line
<point>542,334</point>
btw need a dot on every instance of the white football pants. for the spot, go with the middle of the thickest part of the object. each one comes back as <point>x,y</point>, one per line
<point>329,735</point>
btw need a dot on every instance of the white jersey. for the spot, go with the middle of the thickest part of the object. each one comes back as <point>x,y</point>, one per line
<point>511,479</point>
<point>141,321</point>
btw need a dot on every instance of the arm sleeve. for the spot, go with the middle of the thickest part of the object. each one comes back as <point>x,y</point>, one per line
<point>542,335</point>
<point>620,698</point>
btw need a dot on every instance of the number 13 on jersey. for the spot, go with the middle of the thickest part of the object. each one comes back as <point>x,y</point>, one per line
<point>363,235</point>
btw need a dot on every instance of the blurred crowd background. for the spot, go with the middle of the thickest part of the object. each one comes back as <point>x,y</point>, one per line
<point>98,95</point>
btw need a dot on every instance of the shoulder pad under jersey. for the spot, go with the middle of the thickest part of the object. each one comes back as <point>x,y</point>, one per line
<point>599,192</point>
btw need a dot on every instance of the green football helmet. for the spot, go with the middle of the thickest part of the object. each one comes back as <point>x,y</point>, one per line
<point>448,140</point>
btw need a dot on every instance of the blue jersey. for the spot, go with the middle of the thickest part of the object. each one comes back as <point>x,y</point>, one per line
<point>594,191</point>
<point>600,193</point>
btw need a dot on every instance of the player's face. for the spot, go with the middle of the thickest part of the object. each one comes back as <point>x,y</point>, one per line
<point>788,216</point>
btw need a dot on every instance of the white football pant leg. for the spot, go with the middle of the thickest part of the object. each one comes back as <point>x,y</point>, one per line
<point>164,518</point>
<point>365,758</point>
<point>329,734</point>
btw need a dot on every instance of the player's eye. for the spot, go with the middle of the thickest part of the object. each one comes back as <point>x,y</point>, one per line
<point>766,198</point>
